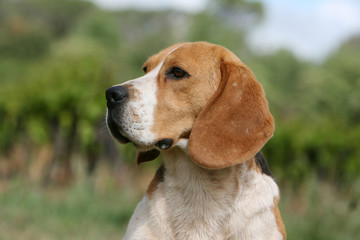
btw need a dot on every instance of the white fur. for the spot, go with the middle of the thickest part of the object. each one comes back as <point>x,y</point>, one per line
<point>196,203</point>
<point>139,113</point>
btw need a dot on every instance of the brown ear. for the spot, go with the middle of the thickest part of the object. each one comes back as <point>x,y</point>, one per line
<point>235,124</point>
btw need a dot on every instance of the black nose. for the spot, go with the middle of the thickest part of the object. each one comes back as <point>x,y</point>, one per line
<point>116,95</point>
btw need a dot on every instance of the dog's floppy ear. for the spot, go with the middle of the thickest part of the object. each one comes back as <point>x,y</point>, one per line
<point>236,122</point>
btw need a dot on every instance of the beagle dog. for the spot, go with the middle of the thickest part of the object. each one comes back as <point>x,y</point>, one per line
<point>203,109</point>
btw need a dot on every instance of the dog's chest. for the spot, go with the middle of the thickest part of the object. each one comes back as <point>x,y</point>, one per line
<point>197,204</point>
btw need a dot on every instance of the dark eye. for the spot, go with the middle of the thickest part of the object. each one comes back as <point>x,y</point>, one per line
<point>145,69</point>
<point>177,73</point>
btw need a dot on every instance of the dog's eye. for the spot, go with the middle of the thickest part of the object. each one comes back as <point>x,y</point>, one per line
<point>145,69</point>
<point>177,73</point>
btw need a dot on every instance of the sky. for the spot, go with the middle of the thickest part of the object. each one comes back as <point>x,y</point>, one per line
<point>184,5</point>
<point>311,29</point>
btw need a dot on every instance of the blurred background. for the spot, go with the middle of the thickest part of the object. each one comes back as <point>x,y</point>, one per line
<point>63,177</point>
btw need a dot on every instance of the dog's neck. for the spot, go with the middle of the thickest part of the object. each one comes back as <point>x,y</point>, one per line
<point>181,171</point>
<point>198,195</point>
<point>217,203</point>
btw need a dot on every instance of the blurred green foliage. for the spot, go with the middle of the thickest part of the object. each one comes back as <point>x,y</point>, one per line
<point>58,57</point>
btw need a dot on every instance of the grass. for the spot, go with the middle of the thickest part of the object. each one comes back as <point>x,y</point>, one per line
<point>315,211</point>
<point>79,212</point>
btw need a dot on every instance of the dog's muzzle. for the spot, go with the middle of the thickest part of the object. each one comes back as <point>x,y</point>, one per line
<point>117,97</point>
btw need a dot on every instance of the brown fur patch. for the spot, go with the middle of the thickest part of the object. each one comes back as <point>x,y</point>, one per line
<point>154,60</point>
<point>159,177</point>
<point>179,102</point>
<point>251,164</point>
<point>279,222</point>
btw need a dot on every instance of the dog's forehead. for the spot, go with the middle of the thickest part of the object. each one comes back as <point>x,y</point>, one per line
<point>186,52</point>
<point>155,59</point>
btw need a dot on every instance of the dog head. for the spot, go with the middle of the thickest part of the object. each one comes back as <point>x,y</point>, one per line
<point>197,92</point>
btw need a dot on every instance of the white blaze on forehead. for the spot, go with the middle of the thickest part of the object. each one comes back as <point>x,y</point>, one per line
<point>138,113</point>
<point>139,110</point>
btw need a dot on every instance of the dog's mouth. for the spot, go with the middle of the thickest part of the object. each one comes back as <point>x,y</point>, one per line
<point>115,131</point>
<point>161,143</point>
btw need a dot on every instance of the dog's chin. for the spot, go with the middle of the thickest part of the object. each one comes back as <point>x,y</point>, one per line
<point>143,148</point>
<point>115,131</point>
<point>123,140</point>
<point>161,143</point>
<point>119,137</point>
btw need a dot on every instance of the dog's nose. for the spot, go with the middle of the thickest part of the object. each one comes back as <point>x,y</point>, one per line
<point>116,95</point>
